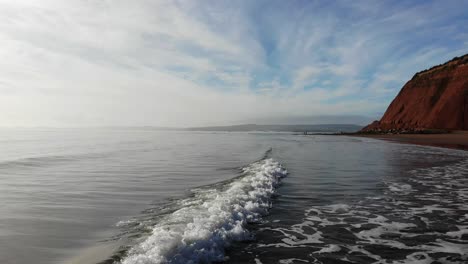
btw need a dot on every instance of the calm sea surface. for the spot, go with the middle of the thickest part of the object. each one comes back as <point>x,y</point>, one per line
<point>136,196</point>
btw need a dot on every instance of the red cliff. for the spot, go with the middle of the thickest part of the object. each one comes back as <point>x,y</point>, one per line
<point>436,98</point>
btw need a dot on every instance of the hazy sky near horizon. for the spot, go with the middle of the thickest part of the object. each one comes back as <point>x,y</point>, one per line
<point>191,63</point>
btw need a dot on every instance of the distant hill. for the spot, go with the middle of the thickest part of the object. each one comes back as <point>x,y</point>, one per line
<point>281,128</point>
<point>311,119</point>
<point>436,98</point>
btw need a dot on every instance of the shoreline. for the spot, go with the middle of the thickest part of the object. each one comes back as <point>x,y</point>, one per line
<point>454,140</point>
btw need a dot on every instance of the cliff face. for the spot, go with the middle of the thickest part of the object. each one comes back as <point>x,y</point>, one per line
<point>436,98</point>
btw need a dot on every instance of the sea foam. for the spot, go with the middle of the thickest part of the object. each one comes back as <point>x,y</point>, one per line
<point>208,222</point>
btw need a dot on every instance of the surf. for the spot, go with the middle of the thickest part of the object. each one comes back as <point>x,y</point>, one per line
<point>209,221</point>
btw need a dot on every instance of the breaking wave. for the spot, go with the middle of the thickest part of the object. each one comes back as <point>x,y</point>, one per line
<point>205,224</point>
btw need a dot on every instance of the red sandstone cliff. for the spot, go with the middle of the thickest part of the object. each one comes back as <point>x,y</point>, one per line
<point>436,98</point>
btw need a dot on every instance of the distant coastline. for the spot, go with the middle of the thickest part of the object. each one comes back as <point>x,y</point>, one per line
<point>299,128</point>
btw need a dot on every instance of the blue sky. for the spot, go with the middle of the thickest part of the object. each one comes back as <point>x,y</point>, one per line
<point>184,63</point>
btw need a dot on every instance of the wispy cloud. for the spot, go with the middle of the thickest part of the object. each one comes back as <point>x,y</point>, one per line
<point>214,62</point>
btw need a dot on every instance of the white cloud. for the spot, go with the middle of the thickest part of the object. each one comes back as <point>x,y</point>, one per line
<point>306,75</point>
<point>76,63</point>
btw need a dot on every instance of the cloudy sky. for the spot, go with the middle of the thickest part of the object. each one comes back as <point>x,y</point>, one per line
<point>190,63</point>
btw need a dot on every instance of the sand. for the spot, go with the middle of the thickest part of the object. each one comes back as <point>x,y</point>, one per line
<point>455,139</point>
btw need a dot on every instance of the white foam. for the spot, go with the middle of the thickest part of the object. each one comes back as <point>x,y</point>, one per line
<point>405,217</point>
<point>330,249</point>
<point>290,236</point>
<point>400,187</point>
<point>463,230</point>
<point>125,223</point>
<point>292,260</point>
<point>373,235</point>
<point>447,247</point>
<point>415,258</point>
<point>339,208</point>
<point>209,222</point>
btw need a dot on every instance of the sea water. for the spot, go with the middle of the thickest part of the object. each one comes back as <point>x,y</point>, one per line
<point>137,196</point>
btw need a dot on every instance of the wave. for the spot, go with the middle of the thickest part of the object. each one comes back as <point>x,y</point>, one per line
<point>40,161</point>
<point>208,222</point>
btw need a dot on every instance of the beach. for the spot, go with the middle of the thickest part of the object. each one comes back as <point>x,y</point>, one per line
<point>454,140</point>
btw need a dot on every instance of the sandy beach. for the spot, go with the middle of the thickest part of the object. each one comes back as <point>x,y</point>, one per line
<point>455,139</point>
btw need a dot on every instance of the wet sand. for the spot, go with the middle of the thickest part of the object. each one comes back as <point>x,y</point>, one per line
<point>455,139</point>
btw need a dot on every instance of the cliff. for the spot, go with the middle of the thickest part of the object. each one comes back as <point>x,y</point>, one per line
<point>436,98</point>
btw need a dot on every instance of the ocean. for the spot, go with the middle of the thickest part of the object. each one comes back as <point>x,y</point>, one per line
<point>141,196</point>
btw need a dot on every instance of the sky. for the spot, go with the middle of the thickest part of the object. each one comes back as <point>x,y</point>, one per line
<point>195,63</point>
